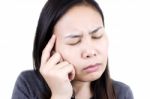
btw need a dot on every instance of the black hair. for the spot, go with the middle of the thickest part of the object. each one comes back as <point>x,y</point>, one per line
<point>50,15</point>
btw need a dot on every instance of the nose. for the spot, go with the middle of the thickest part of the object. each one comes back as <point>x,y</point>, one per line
<point>89,53</point>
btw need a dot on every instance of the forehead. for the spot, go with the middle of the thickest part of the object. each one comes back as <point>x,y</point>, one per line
<point>78,19</point>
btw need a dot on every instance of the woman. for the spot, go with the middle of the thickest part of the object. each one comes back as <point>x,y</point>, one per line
<point>70,56</point>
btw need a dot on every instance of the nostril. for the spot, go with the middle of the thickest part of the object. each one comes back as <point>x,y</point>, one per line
<point>94,54</point>
<point>87,56</point>
<point>89,53</point>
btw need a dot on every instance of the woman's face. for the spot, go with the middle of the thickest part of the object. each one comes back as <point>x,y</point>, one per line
<point>81,40</point>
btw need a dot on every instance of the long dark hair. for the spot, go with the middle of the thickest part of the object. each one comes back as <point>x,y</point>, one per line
<point>53,10</point>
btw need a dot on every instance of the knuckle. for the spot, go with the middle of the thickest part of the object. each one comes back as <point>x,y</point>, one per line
<point>65,62</point>
<point>57,54</point>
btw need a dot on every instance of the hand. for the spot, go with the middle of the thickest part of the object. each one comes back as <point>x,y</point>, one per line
<point>57,74</point>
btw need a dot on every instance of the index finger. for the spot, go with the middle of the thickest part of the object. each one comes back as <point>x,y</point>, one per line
<point>47,50</point>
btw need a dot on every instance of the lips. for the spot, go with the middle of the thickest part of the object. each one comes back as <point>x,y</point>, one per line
<point>92,68</point>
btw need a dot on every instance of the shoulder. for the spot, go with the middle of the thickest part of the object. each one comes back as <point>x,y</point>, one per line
<point>28,77</point>
<point>119,85</point>
<point>29,84</point>
<point>122,90</point>
<point>31,79</point>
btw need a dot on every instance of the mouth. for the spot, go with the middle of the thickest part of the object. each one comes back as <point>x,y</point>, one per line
<point>92,68</point>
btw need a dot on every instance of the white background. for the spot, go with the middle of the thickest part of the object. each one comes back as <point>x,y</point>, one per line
<point>127,24</point>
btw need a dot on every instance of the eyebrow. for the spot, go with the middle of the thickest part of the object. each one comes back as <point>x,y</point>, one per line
<point>79,35</point>
<point>95,30</point>
<point>73,36</point>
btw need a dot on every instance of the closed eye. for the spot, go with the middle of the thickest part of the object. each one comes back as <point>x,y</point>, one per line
<point>97,37</point>
<point>74,43</point>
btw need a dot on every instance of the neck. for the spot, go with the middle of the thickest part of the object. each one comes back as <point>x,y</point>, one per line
<point>82,89</point>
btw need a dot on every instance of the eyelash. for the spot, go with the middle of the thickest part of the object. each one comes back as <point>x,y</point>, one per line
<point>75,43</point>
<point>99,37</point>
<point>80,40</point>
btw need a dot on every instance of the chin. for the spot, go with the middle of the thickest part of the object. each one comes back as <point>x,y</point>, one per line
<point>90,77</point>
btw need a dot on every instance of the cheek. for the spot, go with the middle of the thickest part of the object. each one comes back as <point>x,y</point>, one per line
<point>104,49</point>
<point>104,46</point>
<point>71,56</point>
<point>67,53</point>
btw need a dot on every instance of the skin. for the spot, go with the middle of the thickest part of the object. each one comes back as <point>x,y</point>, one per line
<point>80,41</point>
